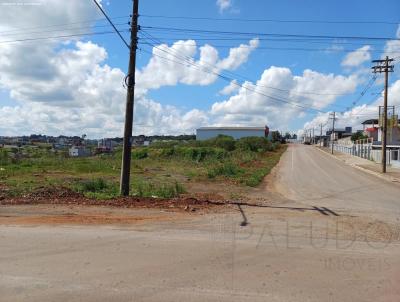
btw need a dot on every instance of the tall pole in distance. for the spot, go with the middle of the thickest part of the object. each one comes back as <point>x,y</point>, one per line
<point>320,136</point>
<point>313,136</point>
<point>333,130</point>
<point>384,141</point>
<point>383,66</point>
<point>130,96</point>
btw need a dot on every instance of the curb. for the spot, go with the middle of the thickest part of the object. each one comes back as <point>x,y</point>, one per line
<point>377,174</point>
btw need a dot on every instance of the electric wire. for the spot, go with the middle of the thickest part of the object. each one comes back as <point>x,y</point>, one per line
<point>112,24</point>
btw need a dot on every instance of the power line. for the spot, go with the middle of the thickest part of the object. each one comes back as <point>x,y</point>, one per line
<point>60,29</point>
<point>57,37</point>
<point>270,20</point>
<point>363,92</point>
<point>112,24</point>
<point>61,24</point>
<point>289,48</point>
<point>173,29</point>
<point>246,78</point>
<point>225,78</point>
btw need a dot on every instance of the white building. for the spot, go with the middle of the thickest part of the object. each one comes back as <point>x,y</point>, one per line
<point>78,151</point>
<point>204,133</point>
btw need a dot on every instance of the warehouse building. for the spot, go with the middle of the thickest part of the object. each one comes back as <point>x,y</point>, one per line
<point>236,132</point>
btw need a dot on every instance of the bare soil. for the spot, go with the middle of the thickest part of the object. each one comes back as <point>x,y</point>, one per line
<point>65,196</point>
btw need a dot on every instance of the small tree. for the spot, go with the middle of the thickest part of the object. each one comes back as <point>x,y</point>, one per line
<point>358,135</point>
<point>276,136</point>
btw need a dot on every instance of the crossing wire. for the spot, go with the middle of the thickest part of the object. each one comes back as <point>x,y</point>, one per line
<point>270,20</point>
<point>226,78</point>
<point>58,37</point>
<point>174,29</point>
<point>112,24</point>
<point>243,77</point>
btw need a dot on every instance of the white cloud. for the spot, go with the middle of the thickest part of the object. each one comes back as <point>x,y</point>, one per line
<point>66,87</point>
<point>175,64</point>
<point>232,87</point>
<point>223,5</point>
<point>238,56</point>
<point>260,104</point>
<point>358,114</point>
<point>357,57</point>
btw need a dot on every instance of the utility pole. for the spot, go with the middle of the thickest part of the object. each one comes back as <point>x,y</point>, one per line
<point>320,136</point>
<point>333,129</point>
<point>130,96</point>
<point>313,136</point>
<point>383,66</point>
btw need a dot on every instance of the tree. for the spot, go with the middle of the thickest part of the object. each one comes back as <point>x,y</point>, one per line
<point>276,136</point>
<point>358,135</point>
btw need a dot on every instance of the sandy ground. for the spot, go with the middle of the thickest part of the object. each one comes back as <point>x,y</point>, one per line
<point>315,230</point>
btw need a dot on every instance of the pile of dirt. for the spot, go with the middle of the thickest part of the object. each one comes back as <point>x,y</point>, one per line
<point>65,196</point>
<point>53,192</point>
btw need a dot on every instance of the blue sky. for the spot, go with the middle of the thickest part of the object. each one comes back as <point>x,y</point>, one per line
<point>185,97</point>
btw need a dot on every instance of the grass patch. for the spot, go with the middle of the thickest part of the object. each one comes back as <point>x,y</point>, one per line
<point>161,169</point>
<point>97,188</point>
<point>161,190</point>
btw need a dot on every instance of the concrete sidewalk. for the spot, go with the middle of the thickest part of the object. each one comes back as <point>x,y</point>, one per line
<point>368,166</point>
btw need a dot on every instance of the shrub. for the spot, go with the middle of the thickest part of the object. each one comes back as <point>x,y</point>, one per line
<point>255,144</point>
<point>91,185</point>
<point>227,169</point>
<point>197,154</point>
<point>140,153</point>
<point>225,142</point>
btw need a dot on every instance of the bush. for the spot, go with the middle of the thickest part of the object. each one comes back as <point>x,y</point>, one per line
<point>92,185</point>
<point>140,153</point>
<point>96,188</point>
<point>254,144</point>
<point>197,154</point>
<point>357,136</point>
<point>227,169</point>
<point>225,142</point>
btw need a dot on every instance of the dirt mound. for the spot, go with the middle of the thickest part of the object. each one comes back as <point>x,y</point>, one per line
<point>65,196</point>
<point>53,192</point>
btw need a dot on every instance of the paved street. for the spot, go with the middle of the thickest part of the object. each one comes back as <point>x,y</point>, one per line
<point>310,176</point>
<point>333,236</point>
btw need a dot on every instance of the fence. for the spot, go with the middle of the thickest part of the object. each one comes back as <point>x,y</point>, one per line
<point>363,149</point>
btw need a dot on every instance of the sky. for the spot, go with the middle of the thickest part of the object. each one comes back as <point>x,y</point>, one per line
<point>286,64</point>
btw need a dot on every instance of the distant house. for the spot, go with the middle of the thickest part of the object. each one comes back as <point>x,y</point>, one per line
<point>373,130</point>
<point>204,133</point>
<point>78,151</point>
<point>105,145</point>
<point>140,140</point>
<point>340,133</point>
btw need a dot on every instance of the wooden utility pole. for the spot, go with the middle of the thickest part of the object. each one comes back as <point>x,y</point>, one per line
<point>383,66</point>
<point>333,129</point>
<point>130,96</point>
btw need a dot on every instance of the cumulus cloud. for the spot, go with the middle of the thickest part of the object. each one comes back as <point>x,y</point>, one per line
<point>232,87</point>
<point>223,5</point>
<point>170,65</point>
<point>273,98</point>
<point>355,116</point>
<point>357,57</point>
<point>66,88</point>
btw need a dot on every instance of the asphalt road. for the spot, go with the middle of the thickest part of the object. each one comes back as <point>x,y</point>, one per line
<point>294,251</point>
<point>313,177</point>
